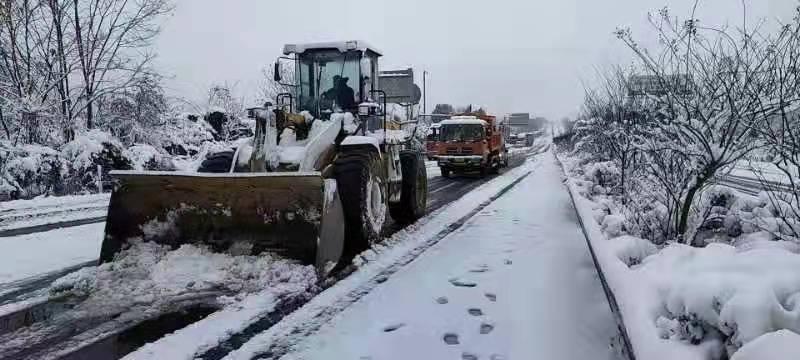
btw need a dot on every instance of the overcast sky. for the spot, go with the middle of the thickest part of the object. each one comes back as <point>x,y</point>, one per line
<point>510,55</point>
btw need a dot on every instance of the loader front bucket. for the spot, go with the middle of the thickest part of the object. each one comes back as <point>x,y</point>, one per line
<point>296,215</point>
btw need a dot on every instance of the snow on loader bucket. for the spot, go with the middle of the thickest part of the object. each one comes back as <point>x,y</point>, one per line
<point>296,215</point>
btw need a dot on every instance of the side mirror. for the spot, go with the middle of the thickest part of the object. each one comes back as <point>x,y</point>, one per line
<point>276,73</point>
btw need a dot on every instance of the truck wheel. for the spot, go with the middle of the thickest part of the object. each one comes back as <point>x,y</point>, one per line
<point>484,170</point>
<point>219,162</point>
<point>361,181</point>
<point>445,172</point>
<point>495,169</point>
<point>414,191</point>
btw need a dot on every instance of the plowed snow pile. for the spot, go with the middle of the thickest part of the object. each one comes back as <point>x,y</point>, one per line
<point>148,273</point>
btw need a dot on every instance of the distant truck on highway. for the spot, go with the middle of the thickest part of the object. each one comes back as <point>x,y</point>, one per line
<point>471,142</point>
<point>432,141</point>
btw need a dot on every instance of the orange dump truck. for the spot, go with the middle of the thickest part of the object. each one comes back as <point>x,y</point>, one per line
<point>471,142</point>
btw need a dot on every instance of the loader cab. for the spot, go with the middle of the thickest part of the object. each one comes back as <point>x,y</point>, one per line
<point>326,74</point>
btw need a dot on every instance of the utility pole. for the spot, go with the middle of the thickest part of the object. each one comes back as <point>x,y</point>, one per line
<point>424,92</point>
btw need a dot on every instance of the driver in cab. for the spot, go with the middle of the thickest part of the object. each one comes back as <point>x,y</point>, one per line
<point>341,93</point>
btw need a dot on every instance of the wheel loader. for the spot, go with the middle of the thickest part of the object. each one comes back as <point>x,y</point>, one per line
<point>315,183</point>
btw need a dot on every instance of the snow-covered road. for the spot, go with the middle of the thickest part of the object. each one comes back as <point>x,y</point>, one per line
<point>21,217</point>
<point>40,253</point>
<point>515,282</point>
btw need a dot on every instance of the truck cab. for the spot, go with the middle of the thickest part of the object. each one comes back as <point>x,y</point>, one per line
<point>432,141</point>
<point>471,142</point>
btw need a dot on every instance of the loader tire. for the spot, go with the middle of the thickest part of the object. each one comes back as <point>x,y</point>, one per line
<point>414,191</point>
<point>361,181</point>
<point>219,162</point>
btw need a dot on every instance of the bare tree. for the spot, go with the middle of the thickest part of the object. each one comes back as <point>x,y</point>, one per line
<point>109,37</point>
<point>610,125</point>
<point>26,66</point>
<point>715,90</point>
<point>269,88</point>
<point>445,109</point>
<point>63,60</point>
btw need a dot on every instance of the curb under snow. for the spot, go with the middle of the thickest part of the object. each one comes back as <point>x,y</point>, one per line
<point>395,252</point>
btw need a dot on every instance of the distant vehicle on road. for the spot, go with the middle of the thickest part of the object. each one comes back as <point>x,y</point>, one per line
<point>471,142</point>
<point>529,138</point>
<point>432,141</point>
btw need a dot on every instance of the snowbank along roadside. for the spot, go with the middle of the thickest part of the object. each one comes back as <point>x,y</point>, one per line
<point>683,302</point>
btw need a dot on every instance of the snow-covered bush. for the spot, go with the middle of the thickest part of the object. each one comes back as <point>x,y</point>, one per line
<point>86,152</point>
<point>714,219</point>
<point>30,170</point>
<point>649,218</point>
<point>181,136</point>
<point>613,225</point>
<point>741,294</point>
<point>631,250</point>
<point>719,297</point>
<point>147,157</point>
<point>605,176</point>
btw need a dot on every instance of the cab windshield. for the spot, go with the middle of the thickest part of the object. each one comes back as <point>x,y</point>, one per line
<point>328,81</point>
<point>461,132</point>
<point>433,134</point>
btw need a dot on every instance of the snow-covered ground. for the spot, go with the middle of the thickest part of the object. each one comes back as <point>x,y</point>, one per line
<point>47,210</point>
<point>34,254</point>
<point>49,202</point>
<point>432,168</point>
<point>146,280</point>
<point>757,170</point>
<point>515,282</point>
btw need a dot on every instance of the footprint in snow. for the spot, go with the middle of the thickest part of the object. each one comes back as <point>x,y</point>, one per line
<point>468,356</point>
<point>475,311</point>
<point>393,327</point>
<point>497,357</point>
<point>441,300</point>
<point>463,282</point>
<point>491,297</point>
<point>451,339</point>
<point>486,328</point>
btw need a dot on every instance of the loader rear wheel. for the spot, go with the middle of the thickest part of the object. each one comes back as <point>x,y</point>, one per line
<point>218,162</point>
<point>361,180</point>
<point>414,192</point>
